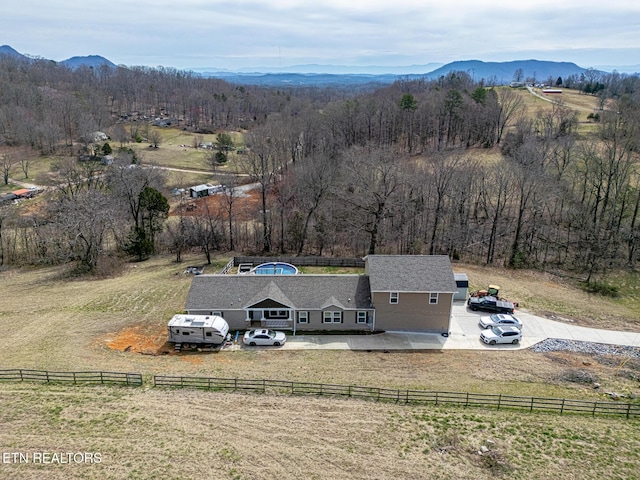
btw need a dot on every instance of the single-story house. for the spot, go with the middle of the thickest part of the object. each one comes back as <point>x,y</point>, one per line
<point>396,292</point>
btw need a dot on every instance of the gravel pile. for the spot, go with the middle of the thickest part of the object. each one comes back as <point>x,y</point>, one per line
<point>557,345</point>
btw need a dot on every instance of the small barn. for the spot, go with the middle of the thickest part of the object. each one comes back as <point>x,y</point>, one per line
<point>198,329</point>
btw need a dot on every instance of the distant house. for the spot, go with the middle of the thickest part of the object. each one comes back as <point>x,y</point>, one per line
<point>162,122</point>
<point>99,137</point>
<point>23,193</point>
<point>396,292</point>
<point>204,190</point>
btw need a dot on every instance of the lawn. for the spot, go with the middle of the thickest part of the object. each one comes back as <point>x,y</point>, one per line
<point>59,323</point>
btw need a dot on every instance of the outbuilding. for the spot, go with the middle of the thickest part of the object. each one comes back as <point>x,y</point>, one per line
<point>462,283</point>
<point>198,329</point>
<point>204,190</point>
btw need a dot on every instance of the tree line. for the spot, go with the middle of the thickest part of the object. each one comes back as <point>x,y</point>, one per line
<point>399,168</point>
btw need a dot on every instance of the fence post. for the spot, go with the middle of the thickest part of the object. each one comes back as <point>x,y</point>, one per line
<point>406,399</point>
<point>595,405</point>
<point>436,398</point>
<point>628,410</point>
<point>101,378</point>
<point>562,407</point>
<point>47,375</point>
<point>467,401</point>
<point>499,400</point>
<point>349,390</point>
<point>21,377</point>
<point>531,409</point>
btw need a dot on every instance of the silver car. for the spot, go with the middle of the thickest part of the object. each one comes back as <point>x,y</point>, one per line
<point>500,319</point>
<point>501,334</point>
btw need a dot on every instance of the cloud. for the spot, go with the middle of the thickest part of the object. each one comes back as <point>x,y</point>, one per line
<point>230,34</point>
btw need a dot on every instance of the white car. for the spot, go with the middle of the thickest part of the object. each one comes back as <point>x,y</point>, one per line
<point>264,337</point>
<point>501,334</point>
<point>500,319</point>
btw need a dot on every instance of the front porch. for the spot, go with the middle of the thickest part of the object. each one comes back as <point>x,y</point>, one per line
<point>282,318</point>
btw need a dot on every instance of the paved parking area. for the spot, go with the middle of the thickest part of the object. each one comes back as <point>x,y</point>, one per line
<point>464,335</point>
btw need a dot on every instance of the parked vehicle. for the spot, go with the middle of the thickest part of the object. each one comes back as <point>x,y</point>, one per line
<point>198,330</point>
<point>264,337</point>
<point>500,319</point>
<point>501,334</point>
<point>490,304</point>
<point>492,291</point>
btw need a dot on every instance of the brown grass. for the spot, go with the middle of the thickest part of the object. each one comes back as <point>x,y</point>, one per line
<point>554,296</point>
<point>119,324</point>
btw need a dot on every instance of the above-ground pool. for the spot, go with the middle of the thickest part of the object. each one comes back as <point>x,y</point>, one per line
<point>275,268</point>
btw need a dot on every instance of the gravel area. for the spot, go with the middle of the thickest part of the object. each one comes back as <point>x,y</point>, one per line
<point>557,345</point>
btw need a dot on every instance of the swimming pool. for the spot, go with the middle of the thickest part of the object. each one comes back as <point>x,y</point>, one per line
<point>275,268</point>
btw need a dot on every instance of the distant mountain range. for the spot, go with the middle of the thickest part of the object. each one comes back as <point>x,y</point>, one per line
<point>497,73</point>
<point>93,61</point>
<point>323,75</point>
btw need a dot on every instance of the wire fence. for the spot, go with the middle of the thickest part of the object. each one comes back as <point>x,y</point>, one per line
<point>413,397</point>
<point>111,378</point>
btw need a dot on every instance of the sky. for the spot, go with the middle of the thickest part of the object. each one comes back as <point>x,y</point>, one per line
<point>275,34</point>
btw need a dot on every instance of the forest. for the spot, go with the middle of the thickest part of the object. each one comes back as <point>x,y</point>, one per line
<point>452,167</point>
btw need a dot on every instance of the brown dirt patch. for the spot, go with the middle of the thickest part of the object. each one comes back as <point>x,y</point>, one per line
<point>140,339</point>
<point>245,207</point>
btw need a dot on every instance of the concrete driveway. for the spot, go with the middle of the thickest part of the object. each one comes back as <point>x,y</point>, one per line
<point>464,335</point>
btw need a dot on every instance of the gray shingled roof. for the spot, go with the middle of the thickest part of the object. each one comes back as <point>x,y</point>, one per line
<point>410,273</point>
<point>302,292</point>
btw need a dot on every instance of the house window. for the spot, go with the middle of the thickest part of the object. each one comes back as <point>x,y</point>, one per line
<point>362,317</point>
<point>280,314</point>
<point>208,334</point>
<point>185,333</point>
<point>433,298</point>
<point>303,317</point>
<point>332,317</point>
<point>393,297</point>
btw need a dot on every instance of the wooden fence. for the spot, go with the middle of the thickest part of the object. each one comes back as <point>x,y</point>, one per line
<point>408,397</point>
<point>413,397</point>
<point>112,378</point>
<point>303,261</point>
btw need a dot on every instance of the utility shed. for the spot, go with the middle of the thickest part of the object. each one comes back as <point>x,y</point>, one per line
<point>204,190</point>
<point>462,282</point>
<point>198,329</point>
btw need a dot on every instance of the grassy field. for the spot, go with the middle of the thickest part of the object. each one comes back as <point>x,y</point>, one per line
<point>119,324</point>
<point>582,104</point>
<point>164,434</point>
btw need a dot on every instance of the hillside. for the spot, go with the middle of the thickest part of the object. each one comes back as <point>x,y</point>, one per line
<point>503,72</point>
